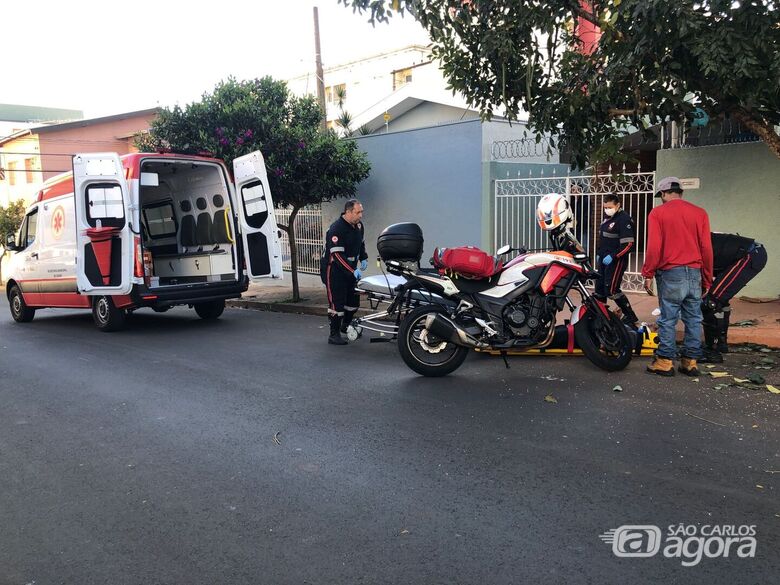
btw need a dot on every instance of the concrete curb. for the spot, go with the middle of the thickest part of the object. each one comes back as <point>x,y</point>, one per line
<point>296,308</point>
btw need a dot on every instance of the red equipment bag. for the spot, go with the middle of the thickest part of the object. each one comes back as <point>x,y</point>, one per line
<point>467,261</point>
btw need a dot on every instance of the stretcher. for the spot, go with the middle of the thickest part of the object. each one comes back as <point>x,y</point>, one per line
<point>382,294</point>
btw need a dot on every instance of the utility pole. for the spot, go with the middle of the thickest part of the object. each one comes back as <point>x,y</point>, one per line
<point>320,74</point>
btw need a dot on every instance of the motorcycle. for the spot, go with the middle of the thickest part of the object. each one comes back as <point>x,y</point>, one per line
<point>514,309</point>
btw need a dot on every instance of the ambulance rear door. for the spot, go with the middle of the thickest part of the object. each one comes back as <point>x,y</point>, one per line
<point>104,240</point>
<point>259,233</point>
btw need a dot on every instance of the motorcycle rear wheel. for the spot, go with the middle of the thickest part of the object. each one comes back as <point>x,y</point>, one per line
<point>605,343</point>
<point>424,353</point>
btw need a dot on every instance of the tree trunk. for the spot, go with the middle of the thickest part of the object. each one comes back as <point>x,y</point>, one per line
<point>761,129</point>
<point>293,253</point>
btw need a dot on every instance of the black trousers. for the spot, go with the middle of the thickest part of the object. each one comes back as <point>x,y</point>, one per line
<point>341,291</point>
<point>611,277</point>
<point>733,279</point>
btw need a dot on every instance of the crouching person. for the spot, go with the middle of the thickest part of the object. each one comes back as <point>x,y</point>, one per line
<point>343,260</point>
<point>736,261</point>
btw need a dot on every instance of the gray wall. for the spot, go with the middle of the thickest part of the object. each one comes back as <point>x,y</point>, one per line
<point>740,189</point>
<point>429,114</point>
<point>430,176</point>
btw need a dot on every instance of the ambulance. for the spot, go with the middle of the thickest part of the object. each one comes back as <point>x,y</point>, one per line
<point>144,230</point>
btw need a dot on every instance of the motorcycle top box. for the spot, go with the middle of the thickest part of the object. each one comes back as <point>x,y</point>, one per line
<point>401,241</point>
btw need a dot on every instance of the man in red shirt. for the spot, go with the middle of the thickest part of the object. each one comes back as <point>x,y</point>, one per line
<point>679,256</point>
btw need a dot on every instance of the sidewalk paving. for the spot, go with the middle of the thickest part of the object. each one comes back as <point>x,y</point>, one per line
<point>765,316</point>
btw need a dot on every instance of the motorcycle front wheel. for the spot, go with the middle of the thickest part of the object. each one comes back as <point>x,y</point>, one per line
<point>604,342</point>
<point>422,351</point>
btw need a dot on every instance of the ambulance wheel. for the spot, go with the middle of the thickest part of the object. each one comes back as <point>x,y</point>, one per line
<point>19,309</point>
<point>210,310</point>
<point>105,314</point>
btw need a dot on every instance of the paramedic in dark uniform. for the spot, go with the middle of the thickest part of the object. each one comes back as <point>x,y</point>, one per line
<point>616,242</point>
<point>736,261</point>
<point>343,261</point>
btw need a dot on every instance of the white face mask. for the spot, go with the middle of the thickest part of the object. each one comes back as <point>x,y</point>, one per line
<point>610,211</point>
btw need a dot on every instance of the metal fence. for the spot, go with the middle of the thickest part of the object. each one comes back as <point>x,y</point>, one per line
<point>309,235</point>
<point>516,201</point>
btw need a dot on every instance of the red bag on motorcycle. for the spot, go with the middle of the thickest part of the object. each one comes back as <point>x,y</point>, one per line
<point>467,261</point>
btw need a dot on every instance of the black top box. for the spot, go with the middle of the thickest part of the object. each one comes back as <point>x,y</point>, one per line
<point>401,241</point>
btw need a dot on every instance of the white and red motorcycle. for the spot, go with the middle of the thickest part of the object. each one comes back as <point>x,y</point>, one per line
<point>515,308</point>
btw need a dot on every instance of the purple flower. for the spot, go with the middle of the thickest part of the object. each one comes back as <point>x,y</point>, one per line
<point>224,141</point>
<point>219,131</point>
<point>301,144</point>
<point>239,141</point>
<point>278,172</point>
<point>248,134</point>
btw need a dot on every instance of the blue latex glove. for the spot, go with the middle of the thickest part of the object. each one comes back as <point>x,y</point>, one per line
<point>607,260</point>
<point>358,274</point>
<point>363,265</point>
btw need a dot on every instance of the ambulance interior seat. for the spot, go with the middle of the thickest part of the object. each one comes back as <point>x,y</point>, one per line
<point>220,229</point>
<point>187,229</point>
<point>204,223</point>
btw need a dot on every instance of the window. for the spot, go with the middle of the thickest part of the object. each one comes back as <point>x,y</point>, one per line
<point>28,230</point>
<point>12,168</point>
<point>255,204</point>
<point>105,204</point>
<point>29,167</point>
<point>336,93</point>
<point>160,220</point>
<point>402,77</point>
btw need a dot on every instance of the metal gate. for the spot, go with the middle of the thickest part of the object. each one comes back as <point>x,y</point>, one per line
<point>309,236</point>
<point>516,201</point>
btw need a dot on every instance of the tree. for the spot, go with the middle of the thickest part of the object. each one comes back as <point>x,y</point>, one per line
<point>655,61</point>
<point>10,219</point>
<point>305,165</point>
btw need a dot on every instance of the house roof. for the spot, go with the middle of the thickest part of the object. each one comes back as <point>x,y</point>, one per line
<point>28,114</point>
<point>78,124</point>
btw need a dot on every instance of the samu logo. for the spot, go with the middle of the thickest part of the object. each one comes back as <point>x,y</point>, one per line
<point>634,540</point>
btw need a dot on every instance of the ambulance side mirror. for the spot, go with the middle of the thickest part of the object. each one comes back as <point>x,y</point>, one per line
<point>10,243</point>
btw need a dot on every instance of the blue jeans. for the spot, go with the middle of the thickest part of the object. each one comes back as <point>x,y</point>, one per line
<point>679,294</point>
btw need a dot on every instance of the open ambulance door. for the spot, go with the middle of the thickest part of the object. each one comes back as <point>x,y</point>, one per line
<point>259,233</point>
<point>104,240</point>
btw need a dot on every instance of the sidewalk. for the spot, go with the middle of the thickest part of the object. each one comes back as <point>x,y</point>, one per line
<point>765,316</point>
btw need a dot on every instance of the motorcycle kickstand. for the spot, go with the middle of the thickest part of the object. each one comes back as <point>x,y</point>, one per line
<point>503,356</point>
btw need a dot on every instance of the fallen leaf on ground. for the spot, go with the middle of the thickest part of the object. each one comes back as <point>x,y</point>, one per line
<point>276,438</point>
<point>720,386</point>
<point>550,398</point>
<point>618,388</point>
<point>404,531</point>
<point>765,350</point>
<point>772,389</point>
<point>746,323</point>
<point>719,374</point>
<point>756,378</point>
<point>740,380</point>
<point>759,486</point>
<point>711,366</point>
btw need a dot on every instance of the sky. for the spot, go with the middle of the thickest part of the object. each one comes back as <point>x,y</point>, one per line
<point>106,57</point>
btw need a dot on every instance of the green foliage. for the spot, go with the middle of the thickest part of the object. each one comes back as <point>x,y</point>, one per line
<point>305,165</point>
<point>656,61</point>
<point>10,219</point>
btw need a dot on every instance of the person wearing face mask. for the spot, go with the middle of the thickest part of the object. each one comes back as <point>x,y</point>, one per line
<point>342,264</point>
<point>679,257</point>
<point>616,242</point>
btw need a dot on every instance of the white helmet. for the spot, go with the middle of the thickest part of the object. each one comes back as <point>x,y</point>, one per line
<point>553,211</point>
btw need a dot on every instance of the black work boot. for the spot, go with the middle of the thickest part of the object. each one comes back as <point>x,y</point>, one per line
<point>348,316</point>
<point>629,317</point>
<point>723,330</point>
<point>335,336</point>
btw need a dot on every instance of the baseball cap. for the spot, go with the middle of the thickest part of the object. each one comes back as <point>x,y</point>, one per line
<point>667,184</point>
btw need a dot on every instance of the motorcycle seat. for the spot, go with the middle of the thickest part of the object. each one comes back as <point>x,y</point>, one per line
<point>477,285</point>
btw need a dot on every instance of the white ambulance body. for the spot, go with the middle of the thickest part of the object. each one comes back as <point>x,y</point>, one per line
<point>144,230</point>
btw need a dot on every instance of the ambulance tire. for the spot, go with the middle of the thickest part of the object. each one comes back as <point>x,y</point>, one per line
<point>210,310</point>
<point>106,316</point>
<point>19,309</point>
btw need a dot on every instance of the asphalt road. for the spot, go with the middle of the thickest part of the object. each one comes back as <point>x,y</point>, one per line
<point>249,451</point>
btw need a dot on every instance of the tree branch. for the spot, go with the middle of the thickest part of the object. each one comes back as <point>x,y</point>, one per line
<point>762,129</point>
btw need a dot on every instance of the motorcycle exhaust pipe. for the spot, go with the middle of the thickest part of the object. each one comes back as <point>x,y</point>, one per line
<point>443,328</point>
